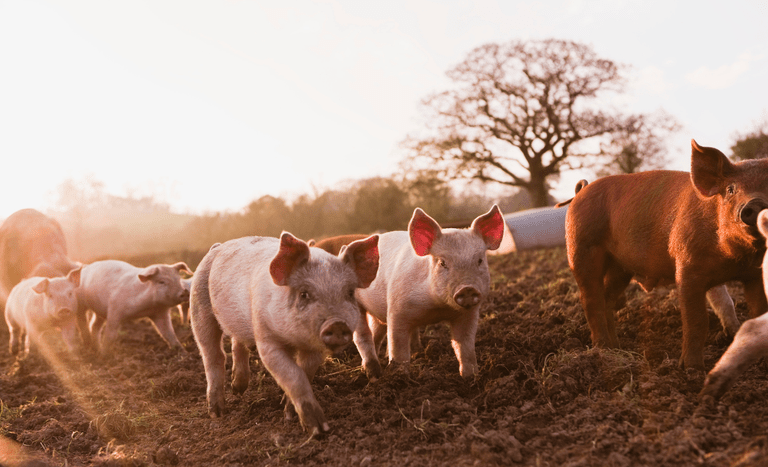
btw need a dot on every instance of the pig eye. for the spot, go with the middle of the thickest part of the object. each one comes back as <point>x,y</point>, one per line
<point>731,189</point>
<point>304,295</point>
<point>480,262</point>
<point>351,294</point>
<point>442,264</point>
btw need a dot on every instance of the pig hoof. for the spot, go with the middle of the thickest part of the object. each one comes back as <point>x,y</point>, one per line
<point>373,370</point>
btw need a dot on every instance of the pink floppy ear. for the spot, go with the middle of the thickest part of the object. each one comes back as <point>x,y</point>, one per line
<point>292,254</point>
<point>490,227</point>
<point>148,273</point>
<point>709,167</point>
<point>423,231</point>
<point>41,286</point>
<point>363,257</point>
<point>74,276</point>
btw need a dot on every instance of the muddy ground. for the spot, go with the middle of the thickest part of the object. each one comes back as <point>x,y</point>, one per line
<point>543,396</point>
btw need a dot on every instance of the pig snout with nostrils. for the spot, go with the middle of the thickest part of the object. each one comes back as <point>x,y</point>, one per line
<point>749,345</point>
<point>696,230</point>
<point>428,275</point>
<point>37,305</point>
<point>296,303</point>
<point>117,292</point>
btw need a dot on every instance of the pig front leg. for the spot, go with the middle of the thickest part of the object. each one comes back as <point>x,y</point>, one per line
<point>70,336</point>
<point>85,332</point>
<point>293,380</point>
<point>722,304</point>
<point>463,332</point>
<point>749,345</point>
<point>309,362</point>
<point>364,341</point>
<point>695,319</point>
<point>17,336</point>
<point>398,337</point>
<point>164,327</point>
<point>754,294</point>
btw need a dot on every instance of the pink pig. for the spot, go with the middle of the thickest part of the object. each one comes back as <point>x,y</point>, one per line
<point>37,305</point>
<point>428,275</point>
<point>117,292</point>
<point>296,303</point>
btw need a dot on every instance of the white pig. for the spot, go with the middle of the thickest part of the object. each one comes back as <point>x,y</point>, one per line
<point>428,275</point>
<point>37,305</point>
<point>749,345</point>
<point>296,303</point>
<point>116,292</point>
<point>184,306</point>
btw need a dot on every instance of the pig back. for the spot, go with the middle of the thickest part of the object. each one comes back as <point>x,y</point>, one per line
<point>104,281</point>
<point>238,267</point>
<point>633,216</point>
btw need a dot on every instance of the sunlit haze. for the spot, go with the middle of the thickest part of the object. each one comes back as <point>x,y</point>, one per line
<point>209,105</point>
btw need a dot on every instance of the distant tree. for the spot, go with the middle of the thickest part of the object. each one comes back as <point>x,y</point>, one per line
<point>267,216</point>
<point>639,144</point>
<point>752,145</point>
<point>516,113</point>
<point>427,190</point>
<point>380,204</point>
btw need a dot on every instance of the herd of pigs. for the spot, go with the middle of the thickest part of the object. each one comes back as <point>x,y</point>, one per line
<point>297,302</point>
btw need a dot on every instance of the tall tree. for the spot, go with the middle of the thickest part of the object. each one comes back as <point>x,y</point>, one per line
<point>517,112</point>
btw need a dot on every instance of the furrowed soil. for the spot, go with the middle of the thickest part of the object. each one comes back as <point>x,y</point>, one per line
<point>543,395</point>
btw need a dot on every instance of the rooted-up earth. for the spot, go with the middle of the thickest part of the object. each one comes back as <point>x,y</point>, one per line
<point>543,395</point>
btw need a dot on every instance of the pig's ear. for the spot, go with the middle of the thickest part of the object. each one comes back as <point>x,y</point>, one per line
<point>762,222</point>
<point>709,167</point>
<point>41,286</point>
<point>363,257</point>
<point>292,254</point>
<point>423,231</point>
<point>148,273</point>
<point>490,227</point>
<point>181,266</point>
<point>74,276</point>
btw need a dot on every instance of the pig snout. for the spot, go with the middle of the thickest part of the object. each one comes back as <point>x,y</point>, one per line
<point>335,335</point>
<point>467,297</point>
<point>748,213</point>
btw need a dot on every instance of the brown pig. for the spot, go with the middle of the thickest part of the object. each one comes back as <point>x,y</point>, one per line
<point>117,291</point>
<point>749,345</point>
<point>39,304</point>
<point>296,303</point>
<point>333,244</point>
<point>694,230</point>
<point>31,245</point>
<point>428,275</point>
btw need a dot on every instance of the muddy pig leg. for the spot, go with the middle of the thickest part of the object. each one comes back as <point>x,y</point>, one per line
<point>722,304</point>
<point>364,342</point>
<point>749,345</point>
<point>164,327</point>
<point>588,270</point>
<point>309,362</point>
<point>398,336</point>
<point>463,331</point>
<point>241,368</point>
<point>695,319</point>
<point>615,282</point>
<point>293,380</point>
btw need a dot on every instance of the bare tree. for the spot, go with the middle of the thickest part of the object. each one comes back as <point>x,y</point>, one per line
<point>516,113</point>
<point>640,144</point>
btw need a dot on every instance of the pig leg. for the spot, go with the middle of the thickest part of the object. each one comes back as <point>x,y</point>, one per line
<point>693,310</point>
<point>398,336</point>
<point>85,332</point>
<point>379,331</point>
<point>69,335</point>
<point>722,305</point>
<point>364,342</point>
<point>463,331</point>
<point>754,294</point>
<point>15,343</point>
<point>109,331</point>
<point>164,327</point>
<point>615,282</point>
<point>749,345</point>
<point>208,335</point>
<point>588,270</point>
<point>293,380</point>
<point>309,362</point>
<point>416,341</point>
<point>241,369</point>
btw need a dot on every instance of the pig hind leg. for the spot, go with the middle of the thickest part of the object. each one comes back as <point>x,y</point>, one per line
<point>615,281</point>
<point>588,266</point>
<point>164,327</point>
<point>241,368</point>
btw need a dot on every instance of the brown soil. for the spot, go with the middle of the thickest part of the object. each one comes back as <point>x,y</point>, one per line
<point>543,396</point>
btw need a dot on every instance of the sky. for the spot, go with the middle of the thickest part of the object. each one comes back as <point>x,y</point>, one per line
<point>208,105</point>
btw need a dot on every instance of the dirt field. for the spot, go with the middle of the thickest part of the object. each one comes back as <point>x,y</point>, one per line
<point>542,396</point>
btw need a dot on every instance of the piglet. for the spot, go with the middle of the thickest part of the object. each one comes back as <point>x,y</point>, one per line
<point>428,275</point>
<point>694,230</point>
<point>117,292</point>
<point>296,303</point>
<point>37,305</point>
<point>749,345</point>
